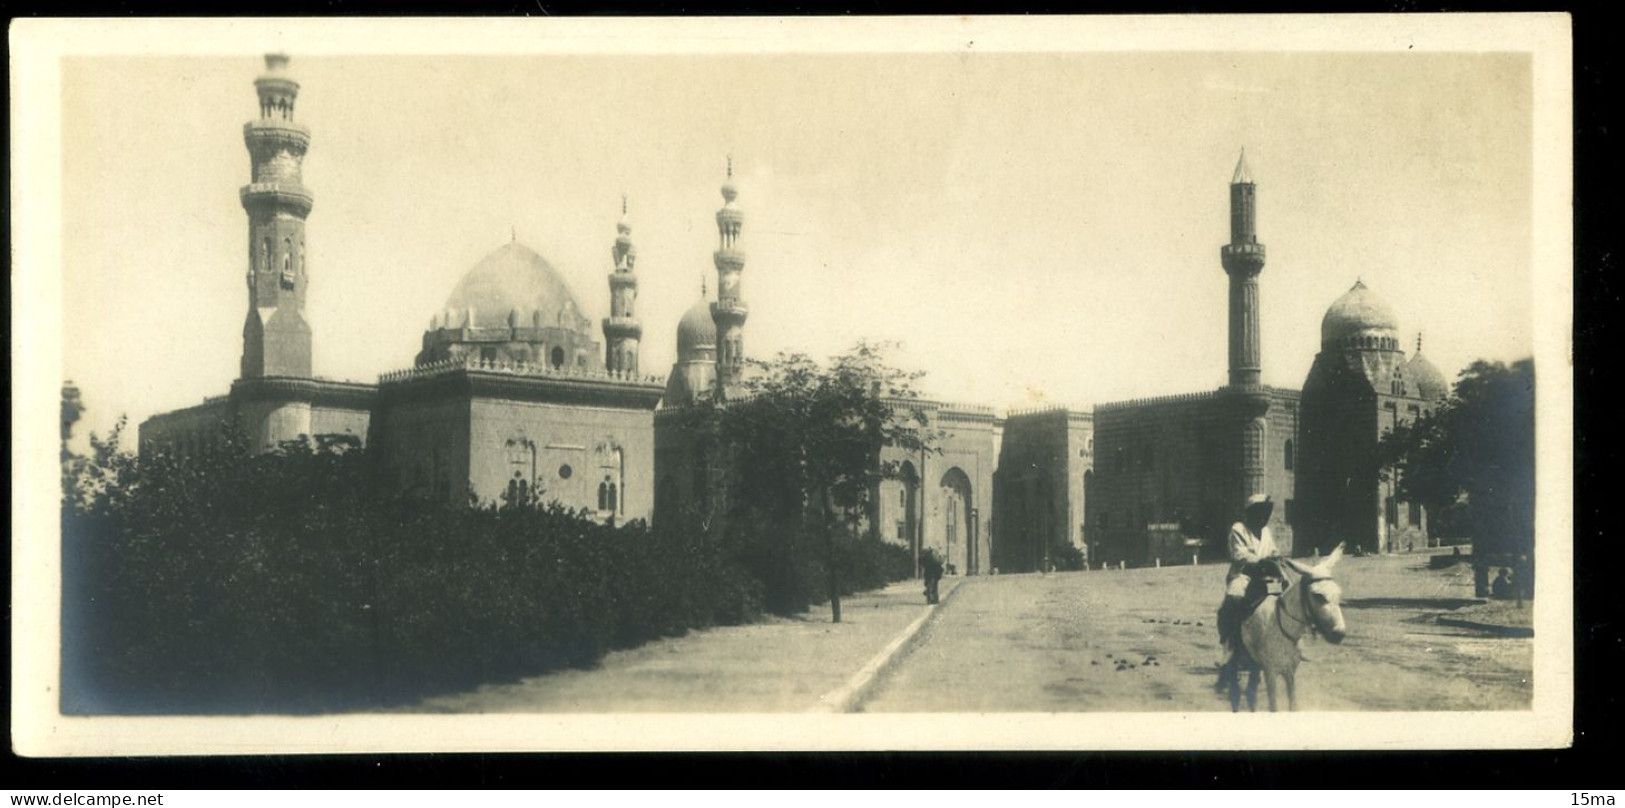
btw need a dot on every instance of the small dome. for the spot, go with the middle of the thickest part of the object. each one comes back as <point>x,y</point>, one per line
<point>1429,382</point>
<point>514,279</point>
<point>696,331</point>
<point>1358,313</point>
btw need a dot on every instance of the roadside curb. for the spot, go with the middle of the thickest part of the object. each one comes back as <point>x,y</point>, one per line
<point>847,697</point>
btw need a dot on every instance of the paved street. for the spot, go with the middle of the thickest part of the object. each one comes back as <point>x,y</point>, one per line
<point>1144,640</point>
<point>780,665</point>
<point>1085,641</point>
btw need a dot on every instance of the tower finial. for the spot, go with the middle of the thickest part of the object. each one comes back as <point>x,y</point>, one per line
<point>1418,342</point>
<point>1242,175</point>
<point>513,234</point>
<point>623,204</point>
<point>730,164</point>
<point>703,290</point>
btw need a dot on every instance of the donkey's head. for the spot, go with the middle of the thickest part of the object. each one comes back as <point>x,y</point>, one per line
<point>1322,597</point>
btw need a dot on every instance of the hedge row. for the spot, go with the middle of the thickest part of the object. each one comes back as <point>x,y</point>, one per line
<point>286,583</point>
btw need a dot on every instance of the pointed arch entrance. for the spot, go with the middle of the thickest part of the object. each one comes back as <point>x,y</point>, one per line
<point>907,521</point>
<point>958,525</point>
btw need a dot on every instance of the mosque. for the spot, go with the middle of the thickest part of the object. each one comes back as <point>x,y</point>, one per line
<point>512,396</point>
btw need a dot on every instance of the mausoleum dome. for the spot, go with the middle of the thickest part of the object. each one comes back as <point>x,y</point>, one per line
<point>696,331</point>
<point>514,281</point>
<point>1359,319</point>
<point>1429,382</point>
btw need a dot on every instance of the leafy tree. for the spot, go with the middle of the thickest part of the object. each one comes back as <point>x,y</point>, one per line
<point>805,447</point>
<point>1476,453</point>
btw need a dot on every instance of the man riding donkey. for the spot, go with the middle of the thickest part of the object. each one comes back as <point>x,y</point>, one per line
<point>1253,561</point>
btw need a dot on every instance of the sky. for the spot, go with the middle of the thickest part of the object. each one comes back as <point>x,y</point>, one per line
<point>1030,228</point>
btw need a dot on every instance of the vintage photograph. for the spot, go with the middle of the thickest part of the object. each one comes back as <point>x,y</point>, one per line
<point>874,383</point>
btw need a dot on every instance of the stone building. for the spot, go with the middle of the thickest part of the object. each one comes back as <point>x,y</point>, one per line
<point>1045,476</point>
<point>512,397</point>
<point>509,398</point>
<point>1169,473</point>
<point>1359,388</point>
<point>943,500</point>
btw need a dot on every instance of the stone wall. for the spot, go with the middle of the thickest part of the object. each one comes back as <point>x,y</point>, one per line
<point>567,452</point>
<point>1046,460</point>
<point>1175,460</point>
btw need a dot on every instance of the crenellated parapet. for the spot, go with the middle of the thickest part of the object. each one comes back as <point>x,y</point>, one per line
<point>1179,398</point>
<point>466,364</point>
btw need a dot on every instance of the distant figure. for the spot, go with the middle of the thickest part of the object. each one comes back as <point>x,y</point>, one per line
<point>931,568</point>
<point>1502,588</point>
<point>1455,552</point>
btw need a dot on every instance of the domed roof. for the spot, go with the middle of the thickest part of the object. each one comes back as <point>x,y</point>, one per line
<point>514,278</point>
<point>696,331</point>
<point>1358,312</point>
<point>1429,382</point>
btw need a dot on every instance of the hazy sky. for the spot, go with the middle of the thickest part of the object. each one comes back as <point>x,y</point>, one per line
<point>1034,228</point>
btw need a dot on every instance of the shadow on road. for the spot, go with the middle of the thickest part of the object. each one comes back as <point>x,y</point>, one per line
<point>1409,603</point>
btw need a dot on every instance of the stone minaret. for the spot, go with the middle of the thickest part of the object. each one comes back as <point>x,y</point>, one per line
<point>1243,260</point>
<point>276,338</point>
<point>729,310</point>
<point>622,329</point>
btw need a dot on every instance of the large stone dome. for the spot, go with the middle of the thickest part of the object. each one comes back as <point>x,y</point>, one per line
<point>697,331</point>
<point>1359,319</point>
<point>515,280</point>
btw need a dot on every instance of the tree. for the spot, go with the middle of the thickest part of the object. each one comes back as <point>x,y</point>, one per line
<point>1477,452</point>
<point>806,443</point>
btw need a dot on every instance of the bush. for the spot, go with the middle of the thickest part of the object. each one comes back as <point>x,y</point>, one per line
<point>1065,556</point>
<point>288,583</point>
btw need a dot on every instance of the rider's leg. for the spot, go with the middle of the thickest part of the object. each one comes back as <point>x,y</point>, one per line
<point>1231,612</point>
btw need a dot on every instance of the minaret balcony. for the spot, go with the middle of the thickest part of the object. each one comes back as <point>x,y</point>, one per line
<point>272,132</point>
<point>1248,257</point>
<point>729,258</point>
<point>622,278</point>
<point>729,311</point>
<point>622,328</point>
<point>277,194</point>
<point>1245,249</point>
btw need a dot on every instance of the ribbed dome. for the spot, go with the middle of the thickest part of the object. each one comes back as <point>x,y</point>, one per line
<point>1358,313</point>
<point>515,279</point>
<point>1428,381</point>
<point>696,331</point>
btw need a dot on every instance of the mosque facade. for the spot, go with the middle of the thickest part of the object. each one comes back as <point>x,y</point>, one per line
<point>513,396</point>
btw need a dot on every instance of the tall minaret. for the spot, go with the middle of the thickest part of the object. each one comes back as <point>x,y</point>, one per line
<point>622,330</point>
<point>729,311</point>
<point>276,338</point>
<point>1243,260</point>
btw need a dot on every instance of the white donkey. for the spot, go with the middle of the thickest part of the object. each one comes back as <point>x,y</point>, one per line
<point>1272,635</point>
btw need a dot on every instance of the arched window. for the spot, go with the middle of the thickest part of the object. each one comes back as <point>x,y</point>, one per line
<point>557,357</point>
<point>613,499</point>
<point>603,496</point>
<point>1291,458</point>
